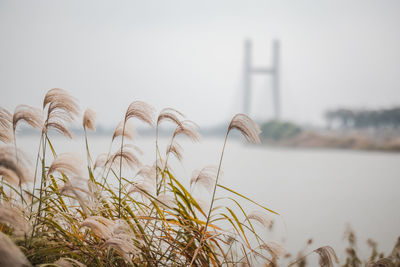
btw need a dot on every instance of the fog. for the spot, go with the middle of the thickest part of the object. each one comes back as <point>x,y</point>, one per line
<point>189,55</point>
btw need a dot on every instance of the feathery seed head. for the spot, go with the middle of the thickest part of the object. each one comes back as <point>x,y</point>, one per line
<point>144,187</point>
<point>147,172</point>
<point>5,117</point>
<point>62,108</point>
<point>99,227</point>
<point>58,127</point>
<point>246,126</point>
<point>326,256</point>
<point>6,135</point>
<point>129,159</point>
<point>170,114</point>
<point>31,115</point>
<point>273,248</point>
<point>13,171</point>
<point>260,217</point>
<point>6,122</point>
<point>125,248</point>
<point>61,100</point>
<point>128,132</point>
<point>140,110</point>
<point>89,118</point>
<point>10,254</point>
<point>12,216</point>
<point>205,177</point>
<point>188,128</point>
<point>68,163</point>
<point>100,161</point>
<point>166,201</point>
<point>176,149</point>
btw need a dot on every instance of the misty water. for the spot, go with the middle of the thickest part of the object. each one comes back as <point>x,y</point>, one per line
<point>317,192</point>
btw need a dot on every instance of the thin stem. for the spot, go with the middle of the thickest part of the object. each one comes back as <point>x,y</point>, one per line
<point>105,166</point>
<point>34,179</point>
<point>44,143</point>
<point>165,166</point>
<point>120,171</point>
<point>17,160</point>
<point>157,157</point>
<point>299,259</point>
<point>212,201</point>
<point>88,157</point>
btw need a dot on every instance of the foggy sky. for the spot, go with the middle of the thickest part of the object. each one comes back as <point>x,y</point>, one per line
<point>188,55</point>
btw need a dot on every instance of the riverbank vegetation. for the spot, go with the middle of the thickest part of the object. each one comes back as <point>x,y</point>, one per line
<point>287,134</point>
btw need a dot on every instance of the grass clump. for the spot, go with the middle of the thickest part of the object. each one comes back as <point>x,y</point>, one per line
<point>115,210</point>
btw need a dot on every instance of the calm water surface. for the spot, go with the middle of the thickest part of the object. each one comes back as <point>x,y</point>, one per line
<point>317,192</point>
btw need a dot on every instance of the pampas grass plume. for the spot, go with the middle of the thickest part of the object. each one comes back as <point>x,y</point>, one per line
<point>68,163</point>
<point>140,110</point>
<point>10,254</point>
<point>188,128</point>
<point>326,256</point>
<point>89,119</point>
<point>31,115</point>
<point>128,132</point>
<point>246,126</point>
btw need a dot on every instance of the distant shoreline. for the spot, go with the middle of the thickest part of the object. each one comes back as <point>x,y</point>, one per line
<point>310,139</point>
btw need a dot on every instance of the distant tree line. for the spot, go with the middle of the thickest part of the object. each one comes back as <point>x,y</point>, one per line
<point>278,130</point>
<point>358,119</point>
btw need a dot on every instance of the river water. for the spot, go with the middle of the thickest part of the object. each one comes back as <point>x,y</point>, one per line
<point>316,192</point>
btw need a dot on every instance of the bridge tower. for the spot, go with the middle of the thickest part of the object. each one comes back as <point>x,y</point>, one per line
<point>249,70</point>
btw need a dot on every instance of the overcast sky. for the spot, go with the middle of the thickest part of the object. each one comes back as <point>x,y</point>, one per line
<point>188,55</point>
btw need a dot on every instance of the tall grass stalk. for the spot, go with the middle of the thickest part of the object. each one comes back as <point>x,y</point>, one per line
<point>120,170</point>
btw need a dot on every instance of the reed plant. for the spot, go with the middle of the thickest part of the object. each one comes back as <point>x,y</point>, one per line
<point>116,210</point>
